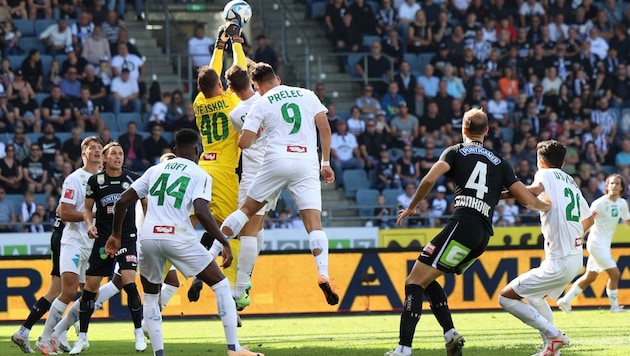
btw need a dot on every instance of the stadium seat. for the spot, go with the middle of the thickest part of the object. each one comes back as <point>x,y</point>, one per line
<point>168,136</point>
<point>41,198</point>
<point>61,58</point>
<point>64,136</point>
<point>42,24</point>
<point>508,134</point>
<point>109,119</point>
<point>417,152</point>
<point>32,136</point>
<point>26,27</point>
<point>15,200</point>
<point>318,9</point>
<point>46,61</point>
<point>354,179</point>
<point>352,61</point>
<point>40,97</point>
<point>395,154</point>
<point>28,43</point>
<point>439,150</point>
<point>609,169</point>
<point>368,39</point>
<point>391,196</point>
<point>424,59</point>
<point>16,61</point>
<point>374,5</point>
<point>366,199</point>
<point>125,118</point>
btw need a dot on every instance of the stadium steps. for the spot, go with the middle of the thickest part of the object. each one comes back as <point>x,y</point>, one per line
<point>337,211</point>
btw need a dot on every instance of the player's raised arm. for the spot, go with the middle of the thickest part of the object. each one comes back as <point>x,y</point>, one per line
<point>234,33</point>
<point>216,62</point>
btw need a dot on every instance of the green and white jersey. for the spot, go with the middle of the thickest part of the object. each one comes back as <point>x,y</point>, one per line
<point>607,215</point>
<point>288,116</point>
<point>171,187</point>
<point>254,156</point>
<point>562,224</point>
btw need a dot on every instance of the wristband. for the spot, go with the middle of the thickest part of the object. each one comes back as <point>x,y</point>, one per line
<point>325,163</point>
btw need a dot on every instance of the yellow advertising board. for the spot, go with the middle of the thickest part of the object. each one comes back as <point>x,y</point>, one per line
<point>287,283</point>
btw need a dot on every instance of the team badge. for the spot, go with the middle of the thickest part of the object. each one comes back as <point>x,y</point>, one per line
<point>68,194</point>
<point>100,179</point>
<point>125,185</point>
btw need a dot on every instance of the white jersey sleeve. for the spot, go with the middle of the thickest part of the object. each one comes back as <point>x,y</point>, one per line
<point>607,215</point>
<point>623,207</point>
<point>73,192</point>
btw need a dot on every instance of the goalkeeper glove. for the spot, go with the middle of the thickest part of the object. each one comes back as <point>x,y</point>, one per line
<point>222,37</point>
<point>234,32</point>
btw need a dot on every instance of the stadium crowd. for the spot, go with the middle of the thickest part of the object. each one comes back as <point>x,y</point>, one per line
<point>540,69</point>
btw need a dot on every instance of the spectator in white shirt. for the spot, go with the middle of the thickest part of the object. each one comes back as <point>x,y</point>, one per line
<point>599,46</point>
<point>439,203</point>
<point>498,109</point>
<point>125,94</point>
<point>28,206</point>
<point>57,37</point>
<point>199,47</point>
<point>404,199</point>
<point>344,151</point>
<point>159,110</point>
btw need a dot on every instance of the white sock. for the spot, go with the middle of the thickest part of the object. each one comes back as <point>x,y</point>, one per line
<point>167,292</point>
<point>246,259</point>
<point>215,249</point>
<point>260,237</point>
<point>153,321</point>
<point>227,312</point>
<point>613,297</point>
<point>83,336</point>
<point>573,292</point>
<point>319,240</point>
<point>235,222</point>
<point>71,317</point>
<point>448,336</point>
<point>403,350</point>
<point>54,316</point>
<point>24,331</point>
<point>529,315</point>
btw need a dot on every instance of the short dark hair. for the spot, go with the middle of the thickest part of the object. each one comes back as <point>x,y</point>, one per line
<point>86,142</point>
<point>238,78</point>
<point>475,121</point>
<point>551,152</point>
<point>186,137</point>
<point>262,72</point>
<point>207,79</point>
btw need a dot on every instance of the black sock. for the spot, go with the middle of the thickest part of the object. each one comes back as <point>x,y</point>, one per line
<point>37,312</point>
<point>86,309</point>
<point>207,240</point>
<point>439,305</point>
<point>411,313</point>
<point>134,304</point>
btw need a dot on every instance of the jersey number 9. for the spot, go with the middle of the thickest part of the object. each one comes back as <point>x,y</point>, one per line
<point>291,114</point>
<point>214,128</point>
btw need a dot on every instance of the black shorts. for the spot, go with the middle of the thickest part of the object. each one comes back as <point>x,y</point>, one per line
<point>457,246</point>
<point>55,246</point>
<point>101,265</point>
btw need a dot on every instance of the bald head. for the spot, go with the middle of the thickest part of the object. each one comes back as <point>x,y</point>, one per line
<point>475,122</point>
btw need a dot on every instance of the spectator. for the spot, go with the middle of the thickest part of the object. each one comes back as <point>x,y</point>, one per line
<point>606,120</point>
<point>439,204</point>
<point>423,216</point>
<point>199,48</point>
<point>74,60</point>
<point>20,142</point>
<point>50,145</point>
<point>17,8</point>
<point>393,47</point>
<point>368,104</point>
<point>26,111</point>
<point>481,48</point>
<point>508,85</point>
<point>7,114</point>
<point>407,167</point>
<point>336,28</point>
<point>11,174</point>
<point>441,59</point>
<point>391,100</point>
<point>131,62</point>
<point>456,43</point>
<point>126,94</point>
<point>65,9</point>
<point>506,152</point>
<point>71,87</point>
<point>320,91</point>
<point>9,38</point>
<point>50,212</point>
<point>6,74</point>
<point>120,8</point>
<point>56,37</point>
<point>498,109</point>
<point>453,124</point>
<point>385,216</point>
<point>378,69</point>
<point>386,173</point>
<point>553,127</point>
<point>39,221</point>
<point>32,70</point>
<point>444,100</point>
<point>528,10</point>
<point>345,152</point>
<point>417,105</point>
<point>56,171</point>
<point>105,135</point>
<point>35,224</point>
<point>620,91</point>
<point>57,110</point>
<point>404,199</point>
<point>82,30</point>
<point>371,142</point>
<point>591,191</point>
<point>159,110</point>
<point>405,127</point>
<point>432,124</point>
<point>622,159</point>
<point>454,85</point>
<point>54,76</point>
<point>332,117</point>
<point>363,16</point>
<point>441,29</point>
<point>592,157</point>
<point>419,35</point>
<point>133,146</point>
<point>186,121</point>
<point>155,144</point>
<point>479,78</point>
<point>621,41</point>
<point>387,18</point>
<point>95,47</point>
<point>28,206</point>
<point>98,91</point>
<point>86,114</point>
<point>72,148</point>
<point>407,11</point>
<point>98,11</point>
<point>467,65</point>
<point>355,124</point>
<point>524,172</point>
<point>111,27</point>
<point>35,171</point>
<point>39,9</point>
<point>406,81</point>
<point>7,213</point>
<point>264,53</point>
<point>429,81</point>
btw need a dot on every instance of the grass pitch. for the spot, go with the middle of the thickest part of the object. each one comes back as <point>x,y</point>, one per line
<point>592,333</point>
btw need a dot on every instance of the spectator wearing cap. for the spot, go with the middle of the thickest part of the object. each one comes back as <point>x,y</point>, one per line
<point>355,124</point>
<point>82,30</point>
<point>406,81</point>
<point>32,70</point>
<point>439,204</point>
<point>96,47</point>
<point>7,117</point>
<point>200,47</point>
<point>391,100</point>
<point>125,94</point>
<point>98,91</point>
<point>57,37</point>
<point>57,110</point>
<point>71,86</point>
<point>26,111</point>
<point>73,60</point>
<point>264,53</point>
<point>442,58</point>
<point>405,127</point>
<point>344,151</point>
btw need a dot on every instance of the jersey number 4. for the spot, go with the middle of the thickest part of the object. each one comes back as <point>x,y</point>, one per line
<point>177,189</point>
<point>214,127</point>
<point>477,180</point>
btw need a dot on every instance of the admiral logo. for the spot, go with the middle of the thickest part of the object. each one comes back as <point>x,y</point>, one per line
<point>429,249</point>
<point>296,149</point>
<point>161,229</point>
<point>211,156</point>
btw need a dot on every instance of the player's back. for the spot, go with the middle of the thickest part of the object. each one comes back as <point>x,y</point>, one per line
<point>218,137</point>
<point>562,224</point>
<point>479,176</point>
<point>288,116</point>
<point>171,188</point>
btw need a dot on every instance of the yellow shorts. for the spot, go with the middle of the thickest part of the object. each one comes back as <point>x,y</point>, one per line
<point>224,191</point>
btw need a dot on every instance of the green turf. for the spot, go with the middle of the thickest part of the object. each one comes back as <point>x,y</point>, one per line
<point>592,333</point>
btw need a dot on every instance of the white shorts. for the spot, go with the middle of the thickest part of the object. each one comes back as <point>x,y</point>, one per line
<point>599,259</point>
<point>74,257</point>
<point>190,258</point>
<point>246,181</point>
<point>549,279</point>
<point>299,177</point>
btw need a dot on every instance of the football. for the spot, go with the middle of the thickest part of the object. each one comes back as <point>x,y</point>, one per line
<point>238,12</point>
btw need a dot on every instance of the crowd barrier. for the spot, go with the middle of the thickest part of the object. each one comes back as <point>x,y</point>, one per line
<point>286,283</point>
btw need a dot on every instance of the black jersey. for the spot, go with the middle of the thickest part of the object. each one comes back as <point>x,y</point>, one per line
<point>105,191</point>
<point>479,175</point>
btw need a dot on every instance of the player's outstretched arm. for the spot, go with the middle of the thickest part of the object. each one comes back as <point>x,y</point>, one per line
<point>234,32</point>
<point>427,183</point>
<point>210,225</point>
<point>528,199</point>
<point>127,198</point>
<point>216,62</point>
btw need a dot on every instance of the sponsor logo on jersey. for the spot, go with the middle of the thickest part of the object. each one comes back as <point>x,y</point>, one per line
<point>130,258</point>
<point>578,242</point>
<point>163,229</point>
<point>68,194</point>
<point>296,149</point>
<point>122,251</point>
<point>100,179</point>
<point>467,150</point>
<point>125,185</point>
<point>109,199</point>
<point>210,156</point>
